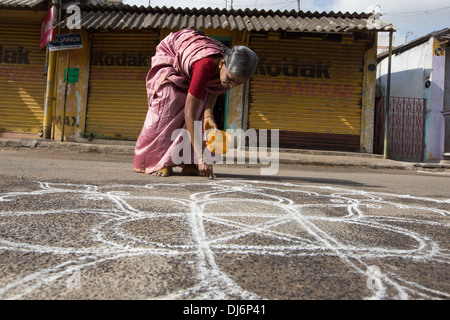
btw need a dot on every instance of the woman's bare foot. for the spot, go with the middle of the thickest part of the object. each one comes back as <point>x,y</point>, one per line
<point>165,172</point>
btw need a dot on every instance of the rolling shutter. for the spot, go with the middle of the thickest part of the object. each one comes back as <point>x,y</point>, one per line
<point>22,77</point>
<point>309,89</point>
<point>117,100</point>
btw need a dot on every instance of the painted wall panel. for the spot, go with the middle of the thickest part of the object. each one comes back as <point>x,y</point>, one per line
<point>368,102</point>
<point>436,120</point>
<point>447,101</point>
<point>70,107</point>
<point>409,70</point>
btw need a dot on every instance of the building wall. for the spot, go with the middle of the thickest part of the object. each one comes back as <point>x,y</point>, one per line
<point>447,101</point>
<point>71,100</point>
<point>410,71</point>
<point>447,80</point>
<point>436,121</point>
<point>368,101</point>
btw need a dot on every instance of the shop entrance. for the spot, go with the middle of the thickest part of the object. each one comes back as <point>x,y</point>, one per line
<point>221,106</point>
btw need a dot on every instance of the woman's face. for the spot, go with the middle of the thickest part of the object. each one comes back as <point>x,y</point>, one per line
<point>229,80</point>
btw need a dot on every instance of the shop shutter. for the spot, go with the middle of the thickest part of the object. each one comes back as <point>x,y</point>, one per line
<point>310,90</point>
<point>22,78</point>
<point>117,98</point>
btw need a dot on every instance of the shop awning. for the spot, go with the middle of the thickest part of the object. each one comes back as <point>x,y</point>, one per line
<point>132,17</point>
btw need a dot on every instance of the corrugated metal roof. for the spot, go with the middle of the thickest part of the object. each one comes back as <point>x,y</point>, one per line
<point>133,17</point>
<point>20,3</point>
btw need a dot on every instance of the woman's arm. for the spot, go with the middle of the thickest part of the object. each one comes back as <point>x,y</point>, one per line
<point>190,112</point>
<point>208,113</point>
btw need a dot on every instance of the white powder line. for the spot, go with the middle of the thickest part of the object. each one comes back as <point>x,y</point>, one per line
<point>353,208</point>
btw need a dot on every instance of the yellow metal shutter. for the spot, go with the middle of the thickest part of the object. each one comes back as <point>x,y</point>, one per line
<point>309,89</point>
<point>22,79</point>
<point>117,101</point>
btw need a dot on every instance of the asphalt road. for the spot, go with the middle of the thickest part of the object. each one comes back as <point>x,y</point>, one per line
<point>85,226</point>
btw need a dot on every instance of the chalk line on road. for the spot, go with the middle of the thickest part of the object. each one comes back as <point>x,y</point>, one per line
<point>233,218</point>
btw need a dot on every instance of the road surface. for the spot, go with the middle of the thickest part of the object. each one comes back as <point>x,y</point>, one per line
<point>85,226</point>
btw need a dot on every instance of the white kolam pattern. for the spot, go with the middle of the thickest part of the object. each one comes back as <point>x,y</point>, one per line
<point>228,217</point>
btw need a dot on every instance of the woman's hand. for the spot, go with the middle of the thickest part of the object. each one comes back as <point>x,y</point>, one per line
<point>209,123</point>
<point>205,169</point>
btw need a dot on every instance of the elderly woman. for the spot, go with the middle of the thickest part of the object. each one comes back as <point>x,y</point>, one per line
<point>188,72</point>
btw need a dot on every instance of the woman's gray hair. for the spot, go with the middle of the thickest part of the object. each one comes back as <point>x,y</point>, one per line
<point>241,61</point>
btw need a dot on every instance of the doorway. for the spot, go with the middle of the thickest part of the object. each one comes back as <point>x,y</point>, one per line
<point>220,111</point>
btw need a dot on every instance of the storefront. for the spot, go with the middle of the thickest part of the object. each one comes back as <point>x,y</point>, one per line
<point>117,102</point>
<point>310,88</point>
<point>316,88</point>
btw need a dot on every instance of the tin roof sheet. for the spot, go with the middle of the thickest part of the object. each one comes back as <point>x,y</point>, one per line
<point>120,16</point>
<point>20,3</point>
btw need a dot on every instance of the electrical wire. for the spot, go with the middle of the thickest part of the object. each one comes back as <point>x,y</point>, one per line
<point>255,4</point>
<point>287,3</point>
<point>259,4</point>
<point>414,13</point>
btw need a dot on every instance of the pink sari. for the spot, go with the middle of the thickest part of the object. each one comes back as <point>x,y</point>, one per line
<point>167,87</point>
